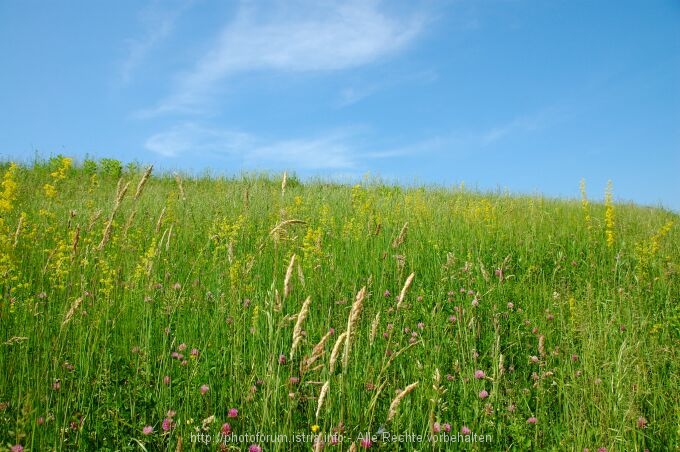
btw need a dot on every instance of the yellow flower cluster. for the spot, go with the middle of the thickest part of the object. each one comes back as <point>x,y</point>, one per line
<point>609,215</point>
<point>9,189</point>
<point>58,175</point>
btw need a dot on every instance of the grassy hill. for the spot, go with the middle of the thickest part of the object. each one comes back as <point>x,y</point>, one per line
<point>159,312</point>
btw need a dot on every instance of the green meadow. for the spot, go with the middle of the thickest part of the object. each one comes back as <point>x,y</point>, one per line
<point>144,311</point>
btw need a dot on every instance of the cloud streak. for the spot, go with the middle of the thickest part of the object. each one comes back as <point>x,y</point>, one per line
<point>304,37</point>
<point>159,24</point>
<point>331,151</point>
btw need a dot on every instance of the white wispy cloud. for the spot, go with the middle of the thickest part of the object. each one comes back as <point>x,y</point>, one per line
<point>330,151</point>
<point>362,89</point>
<point>188,137</point>
<point>158,23</point>
<point>522,124</point>
<point>301,36</point>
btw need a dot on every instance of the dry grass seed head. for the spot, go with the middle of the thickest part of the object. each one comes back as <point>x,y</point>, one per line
<point>404,289</point>
<point>397,400</point>
<point>322,397</point>
<point>297,330</point>
<point>352,321</point>
<point>336,351</point>
<point>289,273</point>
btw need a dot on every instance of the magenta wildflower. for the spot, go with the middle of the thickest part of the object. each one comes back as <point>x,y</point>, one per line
<point>41,420</point>
<point>436,427</point>
<point>532,420</point>
<point>452,318</point>
<point>226,429</point>
<point>194,353</point>
<point>475,302</point>
<point>166,380</point>
<point>421,325</point>
<point>465,430</point>
<point>641,422</point>
<point>56,385</point>
<point>167,424</point>
<point>282,359</point>
<point>479,374</point>
<point>365,443</point>
<point>333,440</point>
<point>294,380</point>
<point>254,448</point>
<point>447,427</point>
<point>483,394</point>
<point>147,430</point>
<point>204,389</point>
<point>602,449</point>
<point>181,347</point>
<point>17,448</point>
<point>387,293</point>
<point>233,412</point>
<point>574,358</point>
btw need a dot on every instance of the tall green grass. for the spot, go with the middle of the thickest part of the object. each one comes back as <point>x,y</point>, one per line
<point>540,323</point>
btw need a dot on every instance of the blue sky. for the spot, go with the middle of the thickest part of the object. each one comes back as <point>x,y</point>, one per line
<point>525,96</point>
